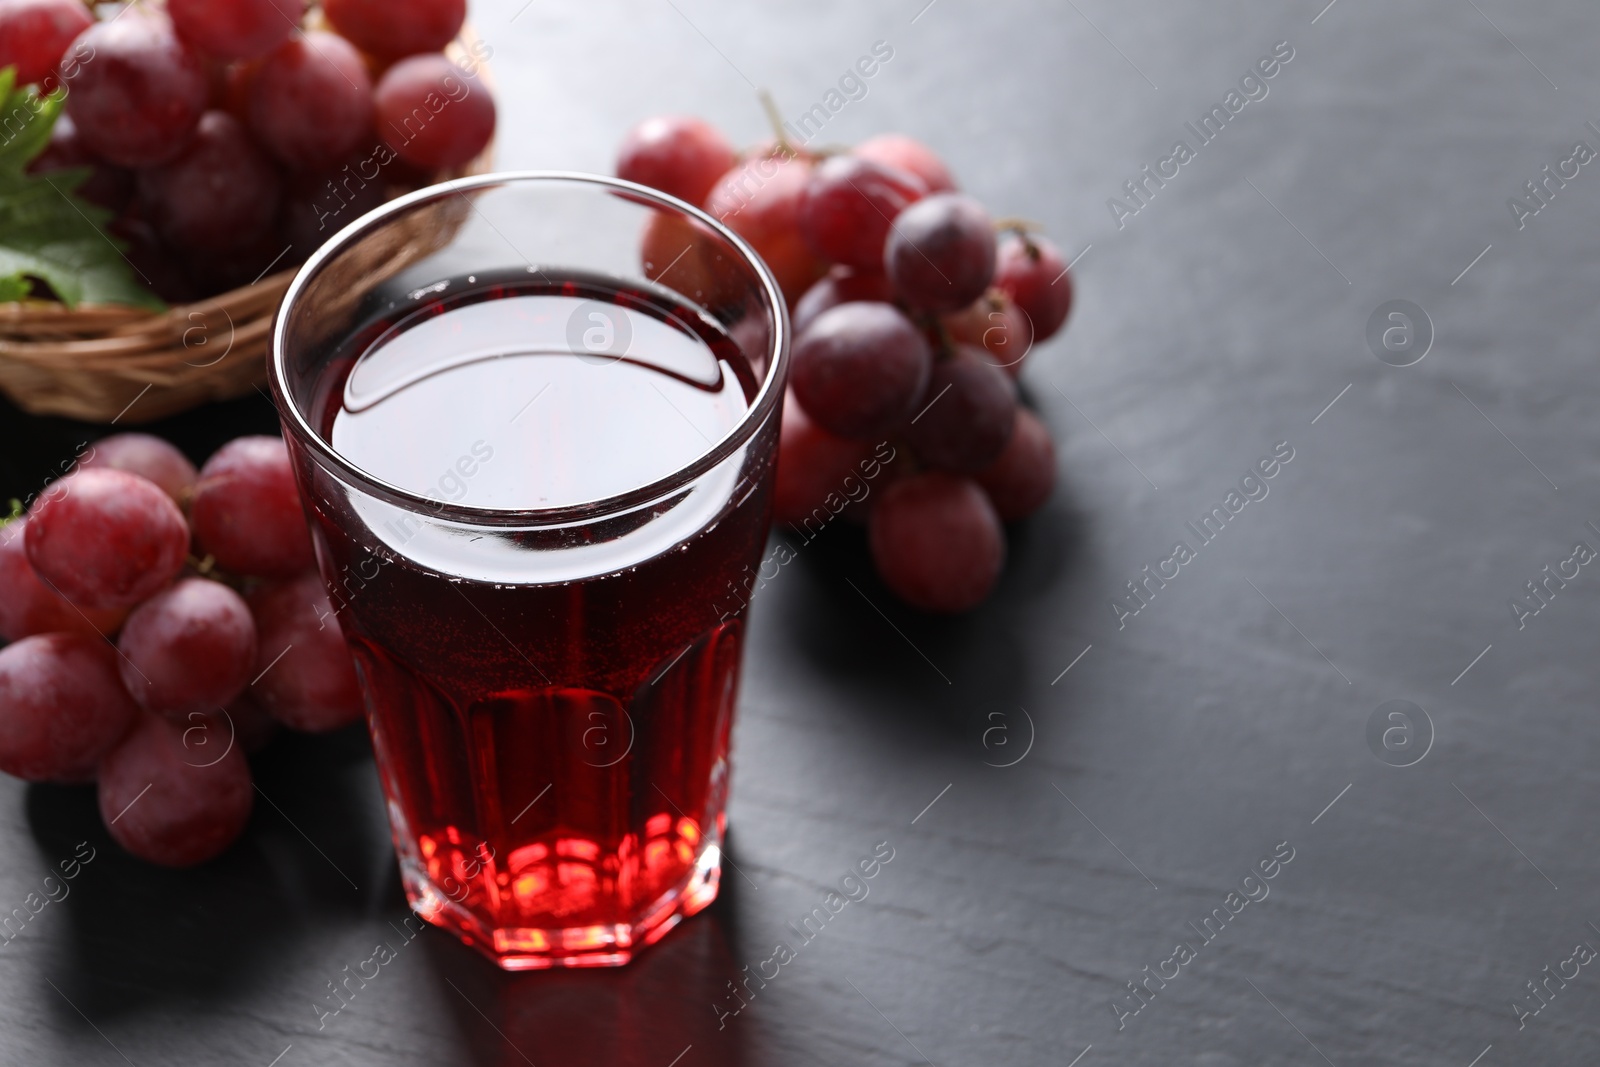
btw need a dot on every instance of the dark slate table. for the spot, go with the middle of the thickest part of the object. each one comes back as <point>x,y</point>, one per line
<point>1071,790</point>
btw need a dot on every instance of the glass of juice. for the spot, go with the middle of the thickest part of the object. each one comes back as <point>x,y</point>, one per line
<point>534,419</point>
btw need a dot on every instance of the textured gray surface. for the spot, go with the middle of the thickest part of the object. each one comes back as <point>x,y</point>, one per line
<point>1222,720</point>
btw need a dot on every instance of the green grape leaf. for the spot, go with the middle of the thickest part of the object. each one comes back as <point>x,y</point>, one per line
<point>49,233</point>
<point>26,119</point>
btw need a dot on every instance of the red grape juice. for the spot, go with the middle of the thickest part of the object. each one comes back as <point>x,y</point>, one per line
<point>550,701</point>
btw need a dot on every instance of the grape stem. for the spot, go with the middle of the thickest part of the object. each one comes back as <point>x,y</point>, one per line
<point>207,568</point>
<point>770,106</point>
<point>1023,228</point>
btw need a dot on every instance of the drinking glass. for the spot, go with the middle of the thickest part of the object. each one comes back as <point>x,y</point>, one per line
<point>534,419</point>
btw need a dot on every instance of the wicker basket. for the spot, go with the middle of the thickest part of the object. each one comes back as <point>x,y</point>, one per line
<point>109,363</point>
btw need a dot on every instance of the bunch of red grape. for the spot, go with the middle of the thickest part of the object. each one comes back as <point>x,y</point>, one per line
<point>233,136</point>
<point>912,312</point>
<point>163,621</point>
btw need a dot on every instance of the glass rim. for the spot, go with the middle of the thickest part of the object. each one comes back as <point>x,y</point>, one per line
<point>768,395</point>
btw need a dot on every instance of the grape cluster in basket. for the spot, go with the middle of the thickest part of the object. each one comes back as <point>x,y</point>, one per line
<point>912,311</point>
<point>163,622</point>
<point>233,136</point>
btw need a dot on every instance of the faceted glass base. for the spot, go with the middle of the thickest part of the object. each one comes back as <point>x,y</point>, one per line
<point>530,949</point>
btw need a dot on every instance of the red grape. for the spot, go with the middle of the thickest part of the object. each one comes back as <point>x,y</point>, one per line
<point>313,686</point>
<point>936,541</point>
<point>217,271</point>
<point>156,267</point>
<point>311,100</point>
<point>940,254</point>
<point>190,647</point>
<point>966,415</point>
<point>246,510</point>
<point>998,326</point>
<point>147,456</point>
<point>320,204</point>
<point>167,796</point>
<point>207,737</point>
<point>760,201</point>
<point>432,113</point>
<point>903,153</point>
<point>107,538</point>
<point>859,369</point>
<point>1020,481</point>
<point>900,466</point>
<point>752,333</point>
<point>235,29</point>
<point>30,607</point>
<point>395,28</point>
<point>678,155</point>
<point>812,464</point>
<point>108,185</point>
<point>221,192</point>
<point>1032,271</point>
<point>252,726</point>
<point>841,285</point>
<point>139,92</point>
<point>684,255</point>
<point>884,473</point>
<point>61,706</point>
<point>35,34</point>
<point>849,205</point>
